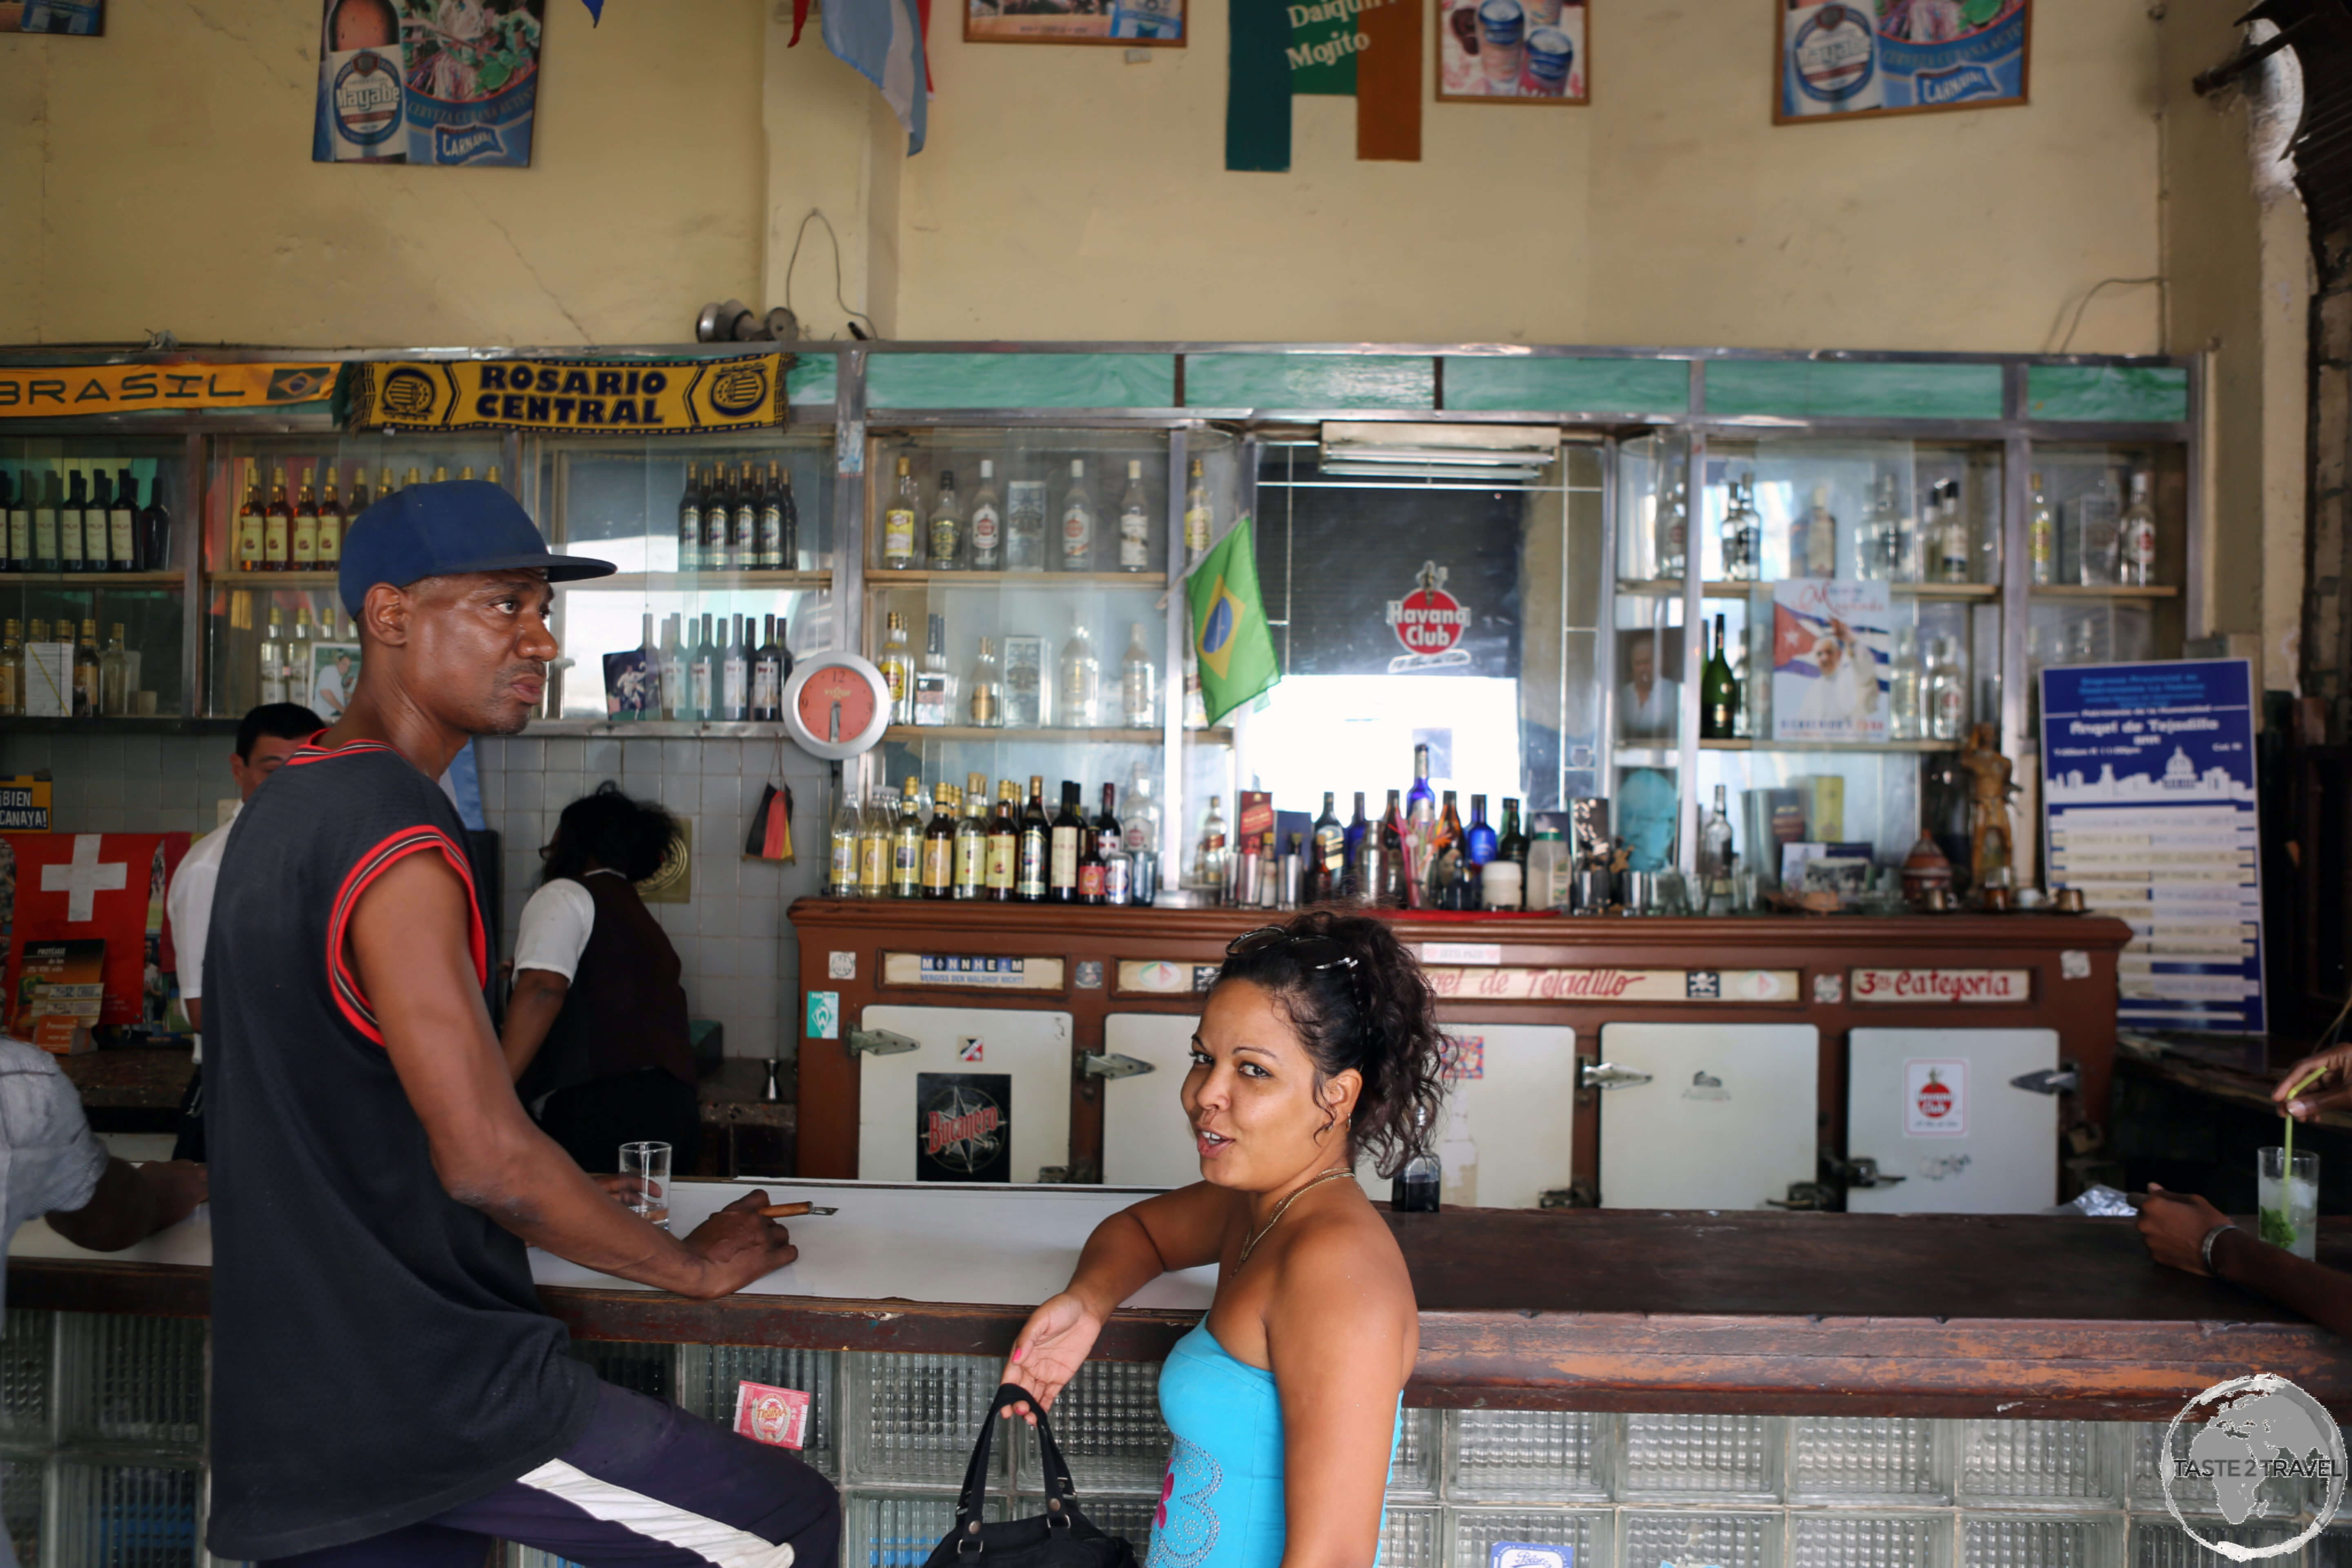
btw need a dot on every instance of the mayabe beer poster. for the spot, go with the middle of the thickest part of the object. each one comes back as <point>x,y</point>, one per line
<point>1831,638</point>
<point>426,81</point>
<point>1896,56</point>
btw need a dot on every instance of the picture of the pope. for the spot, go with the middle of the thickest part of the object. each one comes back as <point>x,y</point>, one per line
<point>1842,700</point>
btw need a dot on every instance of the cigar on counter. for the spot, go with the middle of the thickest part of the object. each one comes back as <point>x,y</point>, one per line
<point>792,1211</point>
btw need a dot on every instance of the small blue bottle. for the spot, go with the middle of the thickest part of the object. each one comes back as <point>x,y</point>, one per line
<point>1479,840</point>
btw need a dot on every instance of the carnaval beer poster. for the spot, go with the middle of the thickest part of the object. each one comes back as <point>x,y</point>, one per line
<point>1131,23</point>
<point>1898,57</point>
<point>2148,798</point>
<point>426,81</point>
<point>1512,51</point>
<point>1830,642</point>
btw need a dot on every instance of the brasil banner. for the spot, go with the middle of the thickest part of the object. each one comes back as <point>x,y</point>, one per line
<point>71,391</point>
<point>1230,638</point>
<point>575,397</point>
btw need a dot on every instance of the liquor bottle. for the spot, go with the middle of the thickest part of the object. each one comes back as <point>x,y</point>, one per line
<point>1077,521</point>
<point>899,521</point>
<point>1383,881</point>
<point>1199,520</point>
<point>987,522</point>
<point>984,702</point>
<point>1718,703</point>
<point>1078,704</point>
<point>1110,847</point>
<point>97,513</point>
<point>1000,881</point>
<point>1327,853</point>
<point>971,844</point>
<point>939,846</point>
<point>841,848</point>
<point>1031,857</point>
<point>1134,523</point>
<point>19,541</point>
<point>2136,539</point>
<point>2041,536</point>
<point>1446,864</point>
<point>934,686</point>
<point>1359,827</point>
<point>677,689</point>
<point>1139,684</point>
<point>273,660</point>
<point>1479,840</point>
<point>770,668</point>
<point>277,527</point>
<point>1743,533</point>
<point>1954,556</point>
<point>702,661</point>
<point>897,667</point>
<point>874,827</point>
<point>1421,801</point>
<point>1140,815</point>
<point>1673,525</point>
<point>946,527</point>
<point>357,501</point>
<point>122,524</point>
<point>1714,848</point>
<point>326,553</point>
<point>466,473</point>
<point>113,676</point>
<point>1874,550</point>
<point>1905,690</point>
<point>301,666</point>
<point>12,671</point>
<point>69,538</point>
<point>649,654</point>
<point>1513,844</point>
<point>1064,847</point>
<point>775,553</point>
<point>1820,537</point>
<point>907,844</point>
<point>1210,856</point>
<point>689,520</point>
<point>305,540</point>
<point>1414,1188</point>
<point>46,557</point>
<point>735,673</point>
<point>88,700</point>
<point>1092,869</point>
<point>743,547</point>
<point>719,522</point>
<point>1948,691</point>
<point>1024,526</point>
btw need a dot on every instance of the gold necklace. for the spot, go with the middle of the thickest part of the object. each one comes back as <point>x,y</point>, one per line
<point>1282,1208</point>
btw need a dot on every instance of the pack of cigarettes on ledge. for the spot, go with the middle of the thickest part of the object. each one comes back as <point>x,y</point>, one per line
<point>774,1415</point>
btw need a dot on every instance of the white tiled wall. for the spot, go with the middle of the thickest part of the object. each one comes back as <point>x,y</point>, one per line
<point>739,958</point>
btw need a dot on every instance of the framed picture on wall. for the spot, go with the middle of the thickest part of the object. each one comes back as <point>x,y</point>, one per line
<point>1840,59</point>
<point>1514,51</point>
<point>76,18</point>
<point>1130,23</point>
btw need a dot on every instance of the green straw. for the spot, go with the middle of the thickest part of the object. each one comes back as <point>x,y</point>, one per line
<point>2273,1224</point>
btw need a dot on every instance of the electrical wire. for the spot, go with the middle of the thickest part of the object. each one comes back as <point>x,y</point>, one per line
<point>2084,303</point>
<point>817,214</point>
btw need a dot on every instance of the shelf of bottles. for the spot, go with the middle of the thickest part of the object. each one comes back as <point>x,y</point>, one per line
<point>2107,552</point>
<point>1018,600</point>
<point>92,601</point>
<point>725,550</point>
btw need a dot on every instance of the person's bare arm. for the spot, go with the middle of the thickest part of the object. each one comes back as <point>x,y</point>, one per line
<point>133,1203</point>
<point>194,1006</point>
<point>1181,1229</point>
<point>2175,1225</point>
<point>407,943</point>
<point>537,998</point>
<point>1340,1332</point>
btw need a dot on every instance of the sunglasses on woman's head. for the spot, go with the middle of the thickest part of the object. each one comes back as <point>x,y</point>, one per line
<point>1314,950</point>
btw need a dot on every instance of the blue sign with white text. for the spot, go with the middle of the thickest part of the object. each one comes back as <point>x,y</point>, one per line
<point>2147,789</point>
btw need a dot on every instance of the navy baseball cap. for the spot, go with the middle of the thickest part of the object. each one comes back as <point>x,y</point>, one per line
<point>441,530</point>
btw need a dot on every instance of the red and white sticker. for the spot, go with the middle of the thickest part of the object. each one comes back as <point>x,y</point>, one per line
<point>1935,1096</point>
<point>773,1416</point>
<point>1430,623</point>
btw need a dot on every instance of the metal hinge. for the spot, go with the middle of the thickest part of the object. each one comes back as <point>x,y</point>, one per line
<point>1608,1074</point>
<point>1109,1064</point>
<point>880,1043</point>
<point>1860,1172</point>
<point>2064,1079</point>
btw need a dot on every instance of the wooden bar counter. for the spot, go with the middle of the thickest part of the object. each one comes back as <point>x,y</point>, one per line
<point>1770,1313</point>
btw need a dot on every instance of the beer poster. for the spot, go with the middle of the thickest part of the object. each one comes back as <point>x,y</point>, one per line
<point>1512,51</point>
<point>426,81</point>
<point>963,1127</point>
<point>1898,57</point>
<point>75,18</point>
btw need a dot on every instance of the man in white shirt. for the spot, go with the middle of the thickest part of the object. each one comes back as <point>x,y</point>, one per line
<point>268,736</point>
<point>1647,707</point>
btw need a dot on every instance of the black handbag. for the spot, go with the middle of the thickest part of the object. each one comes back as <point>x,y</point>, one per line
<point>1062,1538</point>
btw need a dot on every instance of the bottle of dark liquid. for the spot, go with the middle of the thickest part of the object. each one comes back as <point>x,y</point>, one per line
<point>1718,694</point>
<point>690,522</point>
<point>1513,845</point>
<point>19,544</point>
<point>1110,844</point>
<point>1479,842</point>
<point>1414,1188</point>
<point>1359,829</point>
<point>938,845</point>
<point>788,525</point>
<point>1392,863</point>
<point>1094,871</point>
<point>10,502</point>
<point>69,524</point>
<point>772,501</point>
<point>743,551</point>
<point>1061,868</point>
<point>1029,869</point>
<point>44,527</point>
<point>1001,875</point>
<point>122,523</point>
<point>770,667</point>
<point>154,529</point>
<point>1446,864</point>
<point>1327,855</point>
<point>718,519</point>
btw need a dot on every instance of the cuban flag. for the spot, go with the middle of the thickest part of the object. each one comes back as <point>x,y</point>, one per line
<point>882,40</point>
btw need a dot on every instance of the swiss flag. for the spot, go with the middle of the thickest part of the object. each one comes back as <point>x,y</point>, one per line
<point>106,885</point>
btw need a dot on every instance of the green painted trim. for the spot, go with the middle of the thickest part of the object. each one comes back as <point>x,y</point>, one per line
<point>1021,380</point>
<point>1869,390</point>
<point>1642,386</point>
<point>2156,394</point>
<point>1309,380</point>
<point>813,378</point>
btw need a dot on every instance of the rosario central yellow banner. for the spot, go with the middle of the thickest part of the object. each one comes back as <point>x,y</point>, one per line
<point>584,397</point>
<point>46,391</point>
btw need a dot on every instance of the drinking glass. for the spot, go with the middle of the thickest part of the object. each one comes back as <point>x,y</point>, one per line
<point>2288,1201</point>
<point>644,1167</point>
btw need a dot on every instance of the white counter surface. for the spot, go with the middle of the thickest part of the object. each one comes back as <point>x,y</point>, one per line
<point>988,1246</point>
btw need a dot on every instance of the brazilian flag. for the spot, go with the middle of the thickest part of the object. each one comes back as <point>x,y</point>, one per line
<point>1229,639</point>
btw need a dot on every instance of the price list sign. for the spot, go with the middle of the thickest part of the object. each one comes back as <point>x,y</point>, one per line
<point>2148,795</point>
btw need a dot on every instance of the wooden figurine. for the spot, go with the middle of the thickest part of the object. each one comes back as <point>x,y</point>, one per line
<point>1988,791</point>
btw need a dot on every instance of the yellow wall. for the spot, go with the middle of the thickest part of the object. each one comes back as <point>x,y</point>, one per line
<point>161,178</point>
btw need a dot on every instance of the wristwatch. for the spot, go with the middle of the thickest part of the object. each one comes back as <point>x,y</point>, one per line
<point>2205,1247</point>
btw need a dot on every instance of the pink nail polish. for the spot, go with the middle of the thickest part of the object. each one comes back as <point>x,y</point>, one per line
<point>1016,1352</point>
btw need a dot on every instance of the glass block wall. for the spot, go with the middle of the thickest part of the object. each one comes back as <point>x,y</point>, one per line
<point>101,1425</point>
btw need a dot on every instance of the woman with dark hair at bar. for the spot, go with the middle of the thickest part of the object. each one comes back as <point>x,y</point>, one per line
<point>595,1032</point>
<point>1318,1042</point>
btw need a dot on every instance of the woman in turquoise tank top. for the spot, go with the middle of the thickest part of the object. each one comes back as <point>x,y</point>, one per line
<point>1318,1042</point>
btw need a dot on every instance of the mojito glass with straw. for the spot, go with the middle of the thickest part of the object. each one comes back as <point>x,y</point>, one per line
<point>2287,1192</point>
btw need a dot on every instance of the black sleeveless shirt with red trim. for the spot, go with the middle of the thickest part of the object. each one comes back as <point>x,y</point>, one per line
<point>379,1353</point>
